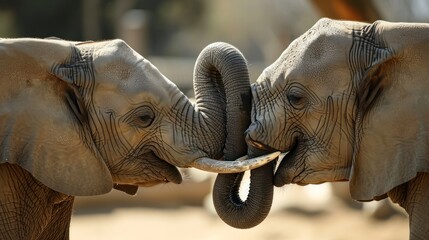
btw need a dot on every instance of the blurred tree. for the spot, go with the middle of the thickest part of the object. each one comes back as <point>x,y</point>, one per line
<point>91,19</point>
<point>97,19</point>
<point>168,17</point>
<point>357,10</point>
<point>44,18</point>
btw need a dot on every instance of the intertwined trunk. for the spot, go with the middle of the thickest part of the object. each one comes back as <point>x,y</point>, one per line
<point>223,96</point>
<point>222,92</point>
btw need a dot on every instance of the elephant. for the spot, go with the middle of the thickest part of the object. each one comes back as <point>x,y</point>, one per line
<point>79,118</point>
<point>347,101</point>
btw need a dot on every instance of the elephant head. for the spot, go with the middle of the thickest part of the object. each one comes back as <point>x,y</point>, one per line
<point>347,101</point>
<point>80,116</point>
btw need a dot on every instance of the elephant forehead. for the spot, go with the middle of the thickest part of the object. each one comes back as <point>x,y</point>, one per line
<point>147,81</point>
<point>125,80</point>
<point>117,64</point>
<point>321,45</point>
<point>107,52</point>
<point>319,58</point>
<point>139,89</point>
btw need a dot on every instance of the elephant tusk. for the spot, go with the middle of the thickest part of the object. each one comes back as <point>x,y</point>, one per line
<point>239,165</point>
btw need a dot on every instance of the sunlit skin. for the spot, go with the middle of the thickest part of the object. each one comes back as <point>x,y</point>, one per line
<point>298,106</point>
<point>348,101</point>
<point>79,118</point>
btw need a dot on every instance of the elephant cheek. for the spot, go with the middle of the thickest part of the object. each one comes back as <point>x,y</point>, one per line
<point>178,152</point>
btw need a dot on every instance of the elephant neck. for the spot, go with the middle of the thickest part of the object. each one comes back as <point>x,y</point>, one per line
<point>42,207</point>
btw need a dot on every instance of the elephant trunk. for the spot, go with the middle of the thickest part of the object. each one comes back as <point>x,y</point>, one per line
<point>223,99</point>
<point>249,213</point>
<point>221,83</point>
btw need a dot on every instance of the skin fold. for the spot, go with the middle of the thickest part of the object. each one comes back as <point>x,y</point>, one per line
<point>78,118</point>
<point>348,101</point>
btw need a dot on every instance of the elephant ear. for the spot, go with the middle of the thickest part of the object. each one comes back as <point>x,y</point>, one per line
<point>392,127</point>
<point>43,120</point>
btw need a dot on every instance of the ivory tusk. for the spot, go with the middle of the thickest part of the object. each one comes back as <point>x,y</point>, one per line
<point>240,165</point>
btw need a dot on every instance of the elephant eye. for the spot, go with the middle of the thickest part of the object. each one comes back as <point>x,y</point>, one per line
<point>146,120</point>
<point>144,117</point>
<point>296,99</point>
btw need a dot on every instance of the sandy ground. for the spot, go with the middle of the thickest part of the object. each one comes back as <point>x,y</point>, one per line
<point>296,214</point>
<point>195,223</point>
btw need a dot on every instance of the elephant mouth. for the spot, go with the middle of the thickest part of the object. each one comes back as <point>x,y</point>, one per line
<point>147,170</point>
<point>157,171</point>
<point>283,174</point>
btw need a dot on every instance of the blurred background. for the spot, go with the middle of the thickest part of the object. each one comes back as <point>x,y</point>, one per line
<point>171,33</point>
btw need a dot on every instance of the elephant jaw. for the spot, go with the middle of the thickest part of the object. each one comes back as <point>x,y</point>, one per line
<point>294,168</point>
<point>131,187</point>
<point>149,170</point>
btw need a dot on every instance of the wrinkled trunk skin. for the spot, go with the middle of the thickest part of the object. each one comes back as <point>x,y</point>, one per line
<point>223,96</point>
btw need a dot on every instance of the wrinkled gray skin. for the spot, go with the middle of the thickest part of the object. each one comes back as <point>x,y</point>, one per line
<point>349,101</point>
<point>79,118</point>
